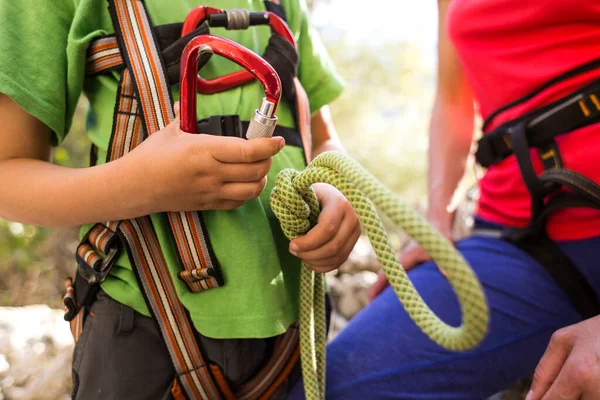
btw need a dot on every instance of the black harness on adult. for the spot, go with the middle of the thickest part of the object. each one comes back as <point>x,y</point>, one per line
<point>556,187</point>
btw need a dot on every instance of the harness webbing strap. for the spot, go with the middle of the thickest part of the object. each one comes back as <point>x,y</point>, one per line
<point>565,273</point>
<point>102,237</point>
<point>145,74</point>
<point>542,125</point>
<point>127,132</point>
<point>285,356</point>
<point>136,41</point>
<point>86,253</point>
<point>76,322</point>
<point>200,269</point>
<point>200,266</point>
<point>153,275</point>
<point>523,126</point>
<point>103,55</point>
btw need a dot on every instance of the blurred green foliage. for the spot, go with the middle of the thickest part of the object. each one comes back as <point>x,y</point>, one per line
<point>383,115</point>
<point>381,118</point>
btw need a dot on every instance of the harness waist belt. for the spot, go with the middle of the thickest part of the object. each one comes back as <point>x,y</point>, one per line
<point>578,109</point>
<point>231,125</point>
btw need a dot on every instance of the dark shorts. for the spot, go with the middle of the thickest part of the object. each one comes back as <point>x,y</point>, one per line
<point>121,355</point>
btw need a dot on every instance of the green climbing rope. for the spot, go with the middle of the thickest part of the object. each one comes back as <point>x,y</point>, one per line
<point>297,209</point>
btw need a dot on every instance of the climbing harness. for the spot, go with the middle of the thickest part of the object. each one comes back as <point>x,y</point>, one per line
<point>144,106</point>
<point>556,187</point>
<point>295,205</point>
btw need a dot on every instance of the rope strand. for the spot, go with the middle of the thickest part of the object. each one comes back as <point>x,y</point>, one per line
<point>295,205</point>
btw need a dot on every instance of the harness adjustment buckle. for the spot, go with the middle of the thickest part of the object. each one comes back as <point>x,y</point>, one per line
<point>96,276</point>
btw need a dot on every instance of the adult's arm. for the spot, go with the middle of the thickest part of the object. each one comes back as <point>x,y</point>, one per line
<point>450,137</point>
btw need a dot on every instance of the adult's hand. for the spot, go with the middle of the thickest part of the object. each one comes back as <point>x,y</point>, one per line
<point>570,367</point>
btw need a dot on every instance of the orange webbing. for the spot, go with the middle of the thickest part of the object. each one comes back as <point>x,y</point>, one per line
<point>144,76</point>
<point>76,325</point>
<point>176,391</point>
<point>283,353</point>
<point>103,55</point>
<point>284,374</point>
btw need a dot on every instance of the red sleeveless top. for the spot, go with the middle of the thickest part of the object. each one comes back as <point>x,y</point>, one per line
<point>509,48</point>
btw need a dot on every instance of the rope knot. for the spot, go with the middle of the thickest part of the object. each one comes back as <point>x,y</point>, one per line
<point>293,205</point>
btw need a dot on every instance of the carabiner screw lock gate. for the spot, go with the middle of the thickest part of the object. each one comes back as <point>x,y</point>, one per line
<point>263,121</point>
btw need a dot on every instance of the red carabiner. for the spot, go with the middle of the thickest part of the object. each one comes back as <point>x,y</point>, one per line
<point>203,13</point>
<point>197,16</point>
<point>253,64</point>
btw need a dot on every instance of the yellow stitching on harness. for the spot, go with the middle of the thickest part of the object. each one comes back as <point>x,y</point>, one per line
<point>552,153</point>
<point>507,141</point>
<point>584,108</point>
<point>595,101</point>
<point>550,173</point>
<point>548,154</point>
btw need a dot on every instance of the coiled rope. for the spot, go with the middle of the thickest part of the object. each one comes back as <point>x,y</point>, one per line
<point>297,209</point>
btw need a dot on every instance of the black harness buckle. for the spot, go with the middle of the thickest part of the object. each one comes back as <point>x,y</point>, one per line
<point>88,279</point>
<point>221,125</point>
<point>95,276</point>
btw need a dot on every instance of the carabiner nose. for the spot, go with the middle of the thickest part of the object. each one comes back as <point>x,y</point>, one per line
<point>263,122</point>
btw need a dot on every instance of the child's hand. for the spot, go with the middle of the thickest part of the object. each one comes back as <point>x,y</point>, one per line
<point>179,171</point>
<point>326,246</point>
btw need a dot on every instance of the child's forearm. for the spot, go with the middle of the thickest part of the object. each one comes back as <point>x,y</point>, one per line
<point>40,193</point>
<point>323,131</point>
<point>170,171</point>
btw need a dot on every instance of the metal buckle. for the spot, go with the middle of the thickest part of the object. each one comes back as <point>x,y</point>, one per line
<point>93,276</point>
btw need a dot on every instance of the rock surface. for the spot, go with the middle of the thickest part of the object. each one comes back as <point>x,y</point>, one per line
<point>35,354</point>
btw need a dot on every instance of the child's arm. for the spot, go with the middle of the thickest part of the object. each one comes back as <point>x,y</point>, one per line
<point>171,171</point>
<point>324,135</point>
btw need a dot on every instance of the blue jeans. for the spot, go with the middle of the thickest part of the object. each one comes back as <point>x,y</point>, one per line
<point>381,354</point>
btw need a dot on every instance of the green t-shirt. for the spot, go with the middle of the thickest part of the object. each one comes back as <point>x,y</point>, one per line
<point>42,68</point>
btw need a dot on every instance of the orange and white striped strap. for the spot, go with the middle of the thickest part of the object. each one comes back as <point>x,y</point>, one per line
<point>285,356</point>
<point>103,55</point>
<point>141,55</point>
<point>144,106</point>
